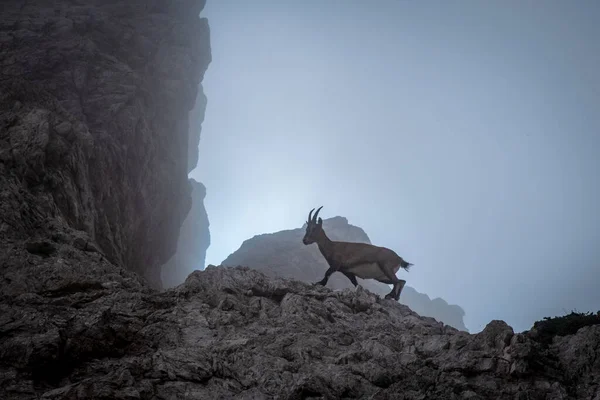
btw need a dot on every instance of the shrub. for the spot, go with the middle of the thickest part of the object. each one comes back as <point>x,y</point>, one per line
<point>568,324</point>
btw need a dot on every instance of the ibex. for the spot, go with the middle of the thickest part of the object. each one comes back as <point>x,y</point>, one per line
<point>356,259</point>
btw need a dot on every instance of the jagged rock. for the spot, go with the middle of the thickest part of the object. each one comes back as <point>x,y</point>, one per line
<point>194,239</point>
<point>283,254</point>
<point>96,331</point>
<point>437,308</point>
<point>196,118</point>
<point>95,98</point>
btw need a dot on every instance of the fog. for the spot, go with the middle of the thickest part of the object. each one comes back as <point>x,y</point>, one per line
<point>463,135</point>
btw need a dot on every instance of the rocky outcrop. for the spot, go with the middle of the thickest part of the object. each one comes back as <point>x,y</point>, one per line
<point>283,254</point>
<point>194,239</point>
<point>196,119</point>
<point>437,308</point>
<point>94,331</point>
<point>94,104</point>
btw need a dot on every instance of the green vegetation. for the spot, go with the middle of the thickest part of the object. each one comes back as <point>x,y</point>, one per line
<point>561,326</point>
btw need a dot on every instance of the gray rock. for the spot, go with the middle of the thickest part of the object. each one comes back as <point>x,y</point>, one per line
<point>95,101</point>
<point>63,128</point>
<point>283,254</point>
<point>40,247</point>
<point>194,239</point>
<point>95,330</point>
<point>196,118</point>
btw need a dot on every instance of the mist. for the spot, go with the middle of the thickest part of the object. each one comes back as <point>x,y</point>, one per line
<point>463,135</point>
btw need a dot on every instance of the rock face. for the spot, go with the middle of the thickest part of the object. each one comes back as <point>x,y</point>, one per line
<point>283,254</point>
<point>196,118</point>
<point>194,239</point>
<point>94,105</point>
<point>94,331</point>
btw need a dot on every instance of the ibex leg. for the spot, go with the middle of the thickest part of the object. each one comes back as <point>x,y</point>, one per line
<point>328,273</point>
<point>393,279</point>
<point>352,277</point>
<point>398,288</point>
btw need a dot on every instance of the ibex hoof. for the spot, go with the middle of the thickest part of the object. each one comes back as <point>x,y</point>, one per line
<point>388,296</point>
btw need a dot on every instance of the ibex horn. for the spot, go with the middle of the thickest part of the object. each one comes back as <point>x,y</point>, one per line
<point>316,214</point>
<point>309,215</point>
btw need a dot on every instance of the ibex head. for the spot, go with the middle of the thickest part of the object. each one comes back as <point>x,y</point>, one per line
<point>313,227</point>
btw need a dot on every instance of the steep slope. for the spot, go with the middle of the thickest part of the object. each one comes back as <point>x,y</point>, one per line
<point>194,239</point>
<point>234,333</point>
<point>283,254</point>
<point>94,105</point>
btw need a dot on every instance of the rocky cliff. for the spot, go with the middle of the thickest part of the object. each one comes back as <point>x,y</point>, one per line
<point>95,98</point>
<point>94,331</point>
<point>283,254</point>
<point>194,239</point>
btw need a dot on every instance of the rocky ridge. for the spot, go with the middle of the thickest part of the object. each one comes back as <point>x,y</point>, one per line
<point>95,331</point>
<point>283,254</point>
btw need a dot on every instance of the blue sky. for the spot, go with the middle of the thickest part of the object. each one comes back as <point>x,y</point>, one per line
<point>464,135</point>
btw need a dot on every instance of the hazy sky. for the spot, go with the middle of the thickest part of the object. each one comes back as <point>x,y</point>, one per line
<point>464,135</point>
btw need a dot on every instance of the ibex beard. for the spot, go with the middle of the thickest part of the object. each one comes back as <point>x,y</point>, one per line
<point>362,260</point>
